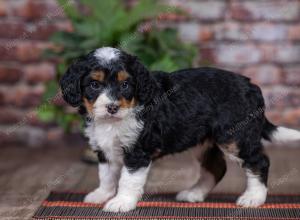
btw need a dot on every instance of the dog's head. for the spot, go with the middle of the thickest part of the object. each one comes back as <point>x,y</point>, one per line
<point>109,83</point>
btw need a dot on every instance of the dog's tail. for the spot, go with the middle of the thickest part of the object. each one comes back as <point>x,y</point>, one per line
<point>279,134</point>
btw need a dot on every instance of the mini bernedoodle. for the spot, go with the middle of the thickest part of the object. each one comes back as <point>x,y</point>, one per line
<point>134,116</point>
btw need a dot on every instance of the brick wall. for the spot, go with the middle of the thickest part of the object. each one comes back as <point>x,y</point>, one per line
<point>25,26</point>
<point>257,38</point>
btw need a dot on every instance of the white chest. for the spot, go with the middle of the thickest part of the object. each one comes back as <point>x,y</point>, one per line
<point>110,137</point>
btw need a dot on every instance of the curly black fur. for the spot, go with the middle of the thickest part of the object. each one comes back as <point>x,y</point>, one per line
<point>185,108</point>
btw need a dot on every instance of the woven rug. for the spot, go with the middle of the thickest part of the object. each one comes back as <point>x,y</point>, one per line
<point>69,205</point>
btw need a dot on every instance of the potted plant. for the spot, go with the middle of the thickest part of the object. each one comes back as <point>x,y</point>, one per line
<point>112,23</point>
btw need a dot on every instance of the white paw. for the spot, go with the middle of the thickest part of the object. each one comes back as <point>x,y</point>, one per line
<point>120,204</point>
<point>98,196</point>
<point>190,196</point>
<point>251,199</point>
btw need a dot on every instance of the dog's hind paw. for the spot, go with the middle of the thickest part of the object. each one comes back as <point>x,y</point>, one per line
<point>190,196</point>
<point>251,199</point>
<point>98,196</point>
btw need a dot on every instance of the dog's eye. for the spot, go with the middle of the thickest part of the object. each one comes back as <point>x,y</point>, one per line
<point>124,85</point>
<point>95,85</point>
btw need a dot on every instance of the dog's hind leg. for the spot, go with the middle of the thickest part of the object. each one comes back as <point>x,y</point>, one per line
<point>213,168</point>
<point>256,166</point>
<point>249,154</point>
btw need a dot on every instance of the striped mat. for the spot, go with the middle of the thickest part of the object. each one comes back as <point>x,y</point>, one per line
<point>69,205</point>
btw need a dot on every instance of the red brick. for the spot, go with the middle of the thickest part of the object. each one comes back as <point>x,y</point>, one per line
<point>268,32</point>
<point>3,8</point>
<point>264,9</point>
<point>292,117</point>
<point>12,29</point>
<point>280,97</point>
<point>7,50</point>
<point>9,74</point>
<point>294,32</point>
<point>20,50</point>
<point>206,10</point>
<point>238,54</point>
<point>275,116</point>
<point>207,55</point>
<point>31,51</point>
<point>281,53</point>
<point>205,34</point>
<point>38,31</point>
<point>268,51</point>
<point>41,72</point>
<point>287,53</point>
<point>294,98</point>
<point>255,31</point>
<point>32,10</point>
<point>24,96</point>
<point>43,31</point>
<point>2,97</point>
<point>292,75</point>
<point>264,74</point>
<point>231,31</point>
<point>203,10</point>
<point>9,115</point>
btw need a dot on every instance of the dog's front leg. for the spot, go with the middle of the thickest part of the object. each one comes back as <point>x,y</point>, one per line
<point>109,173</point>
<point>131,185</point>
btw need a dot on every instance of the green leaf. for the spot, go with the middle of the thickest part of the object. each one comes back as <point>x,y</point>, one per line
<point>143,10</point>
<point>69,9</point>
<point>164,64</point>
<point>111,23</point>
<point>51,91</point>
<point>104,10</point>
<point>46,112</point>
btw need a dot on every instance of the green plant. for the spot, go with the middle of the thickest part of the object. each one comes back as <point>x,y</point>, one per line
<point>111,23</point>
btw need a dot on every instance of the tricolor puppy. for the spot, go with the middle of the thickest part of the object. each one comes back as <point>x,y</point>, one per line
<point>134,116</point>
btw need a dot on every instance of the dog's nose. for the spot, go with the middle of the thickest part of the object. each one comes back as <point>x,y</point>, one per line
<point>112,108</point>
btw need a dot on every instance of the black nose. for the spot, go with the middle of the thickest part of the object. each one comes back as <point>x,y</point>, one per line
<point>112,108</point>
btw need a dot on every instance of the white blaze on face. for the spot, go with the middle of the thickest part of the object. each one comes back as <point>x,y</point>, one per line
<point>102,101</point>
<point>107,54</point>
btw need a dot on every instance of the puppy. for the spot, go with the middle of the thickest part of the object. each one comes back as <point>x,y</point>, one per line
<point>134,116</point>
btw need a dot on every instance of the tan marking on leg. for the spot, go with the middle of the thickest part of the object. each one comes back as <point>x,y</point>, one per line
<point>230,148</point>
<point>232,151</point>
<point>98,75</point>
<point>122,75</point>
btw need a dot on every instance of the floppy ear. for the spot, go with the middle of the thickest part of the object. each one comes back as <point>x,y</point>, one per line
<point>71,80</point>
<point>146,86</point>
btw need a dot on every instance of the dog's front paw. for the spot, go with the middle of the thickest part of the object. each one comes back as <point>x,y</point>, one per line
<point>120,204</point>
<point>251,199</point>
<point>98,196</point>
<point>190,196</point>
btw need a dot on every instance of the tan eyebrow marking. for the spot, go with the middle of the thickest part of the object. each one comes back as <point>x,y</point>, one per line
<point>98,75</point>
<point>124,103</point>
<point>122,75</point>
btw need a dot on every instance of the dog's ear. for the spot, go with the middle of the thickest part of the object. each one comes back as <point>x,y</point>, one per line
<point>146,86</point>
<point>70,82</point>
